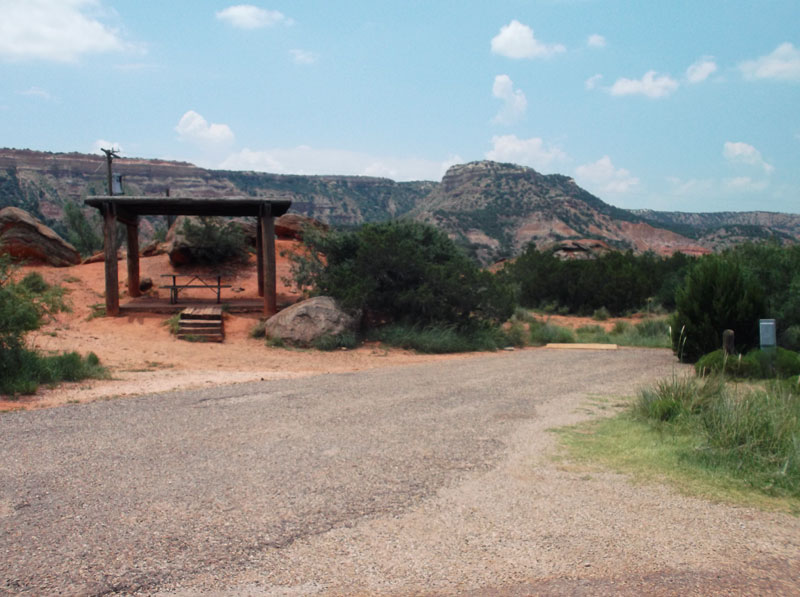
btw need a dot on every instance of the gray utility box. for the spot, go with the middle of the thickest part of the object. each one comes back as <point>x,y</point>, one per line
<point>766,328</point>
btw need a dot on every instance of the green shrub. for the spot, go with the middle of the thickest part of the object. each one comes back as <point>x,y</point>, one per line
<point>620,327</point>
<point>439,339</point>
<point>402,272</point>
<point>34,283</point>
<point>213,240</point>
<point>86,236</point>
<point>756,364</point>
<point>259,330</point>
<point>546,333</point>
<point>516,335</point>
<point>601,314</point>
<point>717,295</point>
<point>652,328</point>
<point>790,338</point>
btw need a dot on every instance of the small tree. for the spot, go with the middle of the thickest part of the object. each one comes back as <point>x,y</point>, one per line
<point>401,271</point>
<point>717,295</point>
<point>81,232</point>
<point>215,241</point>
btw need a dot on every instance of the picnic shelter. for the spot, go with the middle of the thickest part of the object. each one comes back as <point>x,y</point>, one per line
<point>128,209</point>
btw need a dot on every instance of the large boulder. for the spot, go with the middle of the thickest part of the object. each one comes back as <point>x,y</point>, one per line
<point>293,225</point>
<point>178,248</point>
<point>308,320</point>
<point>25,238</point>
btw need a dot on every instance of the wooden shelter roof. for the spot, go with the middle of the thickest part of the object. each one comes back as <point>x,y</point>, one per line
<point>157,205</point>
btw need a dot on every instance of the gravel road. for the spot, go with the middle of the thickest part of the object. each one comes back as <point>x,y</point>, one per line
<point>424,479</point>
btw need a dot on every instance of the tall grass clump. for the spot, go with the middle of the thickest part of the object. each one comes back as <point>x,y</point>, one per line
<point>757,435</point>
<point>542,333</point>
<point>751,434</point>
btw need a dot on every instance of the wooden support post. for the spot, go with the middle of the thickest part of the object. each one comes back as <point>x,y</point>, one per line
<point>267,225</point>
<point>110,254</point>
<point>133,258</point>
<point>728,345</point>
<point>260,255</point>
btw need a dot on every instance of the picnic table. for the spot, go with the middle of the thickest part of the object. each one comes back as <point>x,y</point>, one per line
<point>212,282</point>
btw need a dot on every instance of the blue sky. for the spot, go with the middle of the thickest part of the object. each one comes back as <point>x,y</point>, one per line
<point>673,105</point>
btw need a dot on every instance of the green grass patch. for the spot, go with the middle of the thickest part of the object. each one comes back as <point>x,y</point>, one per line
<point>173,323</point>
<point>440,339</point>
<point>25,370</point>
<point>709,438</point>
<point>330,342</point>
<point>628,445</point>
<point>650,333</point>
<point>542,333</point>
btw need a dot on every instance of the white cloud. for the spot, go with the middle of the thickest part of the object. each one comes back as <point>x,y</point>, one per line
<point>701,70</point>
<point>593,81</point>
<point>103,144</point>
<point>516,40</point>
<point>56,30</point>
<point>603,177</point>
<point>303,56</point>
<point>195,129</point>
<point>528,152</point>
<point>37,92</point>
<point>743,153</point>
<point>247,16</point>
<point>596,41</point>
<point>514,101</point>
<point>783,64</point>
<point>651,85</point>
<point>308,160</point>
<point>745,184</point>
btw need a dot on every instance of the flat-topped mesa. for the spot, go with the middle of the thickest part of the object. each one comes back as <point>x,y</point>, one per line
<point>465,174</point>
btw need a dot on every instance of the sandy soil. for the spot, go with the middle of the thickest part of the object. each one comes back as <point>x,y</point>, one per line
<point>143,357</point>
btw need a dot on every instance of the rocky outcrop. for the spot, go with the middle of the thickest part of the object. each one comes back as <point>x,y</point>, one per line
<point>293,225</point>
<point>306,321</point>
<point>26,239</point>
<point>178,248</point>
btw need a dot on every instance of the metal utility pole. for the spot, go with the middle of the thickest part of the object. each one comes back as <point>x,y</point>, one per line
<point>110,155</point>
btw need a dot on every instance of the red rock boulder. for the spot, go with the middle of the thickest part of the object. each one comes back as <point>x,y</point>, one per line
<point>293,225</point>
<point>26,239</point>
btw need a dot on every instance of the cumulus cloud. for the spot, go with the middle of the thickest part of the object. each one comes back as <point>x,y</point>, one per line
<point>303,56</point>
<point>247,16</point>
<point>193,128</point>
<point>651,85</point>
<point>309,160</point>
<point>596,41</point>
<point>744,153</point>
<point>528,152</point>
<point>602,177</point>
<point>54,30</point>
<point>516,40</point>
<point>701,70</point>
<point>593,81</point>
<point>744,184</point>
<point>514,101</point>
<point>783,64</point>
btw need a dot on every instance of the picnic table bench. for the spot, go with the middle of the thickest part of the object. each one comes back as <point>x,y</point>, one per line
<point>211,281</point>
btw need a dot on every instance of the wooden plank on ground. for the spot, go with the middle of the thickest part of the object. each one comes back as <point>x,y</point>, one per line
<point>583,346</point>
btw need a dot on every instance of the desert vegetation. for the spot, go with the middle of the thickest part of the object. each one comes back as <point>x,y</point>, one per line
<point>24,305</point>
<point>413,286</point>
